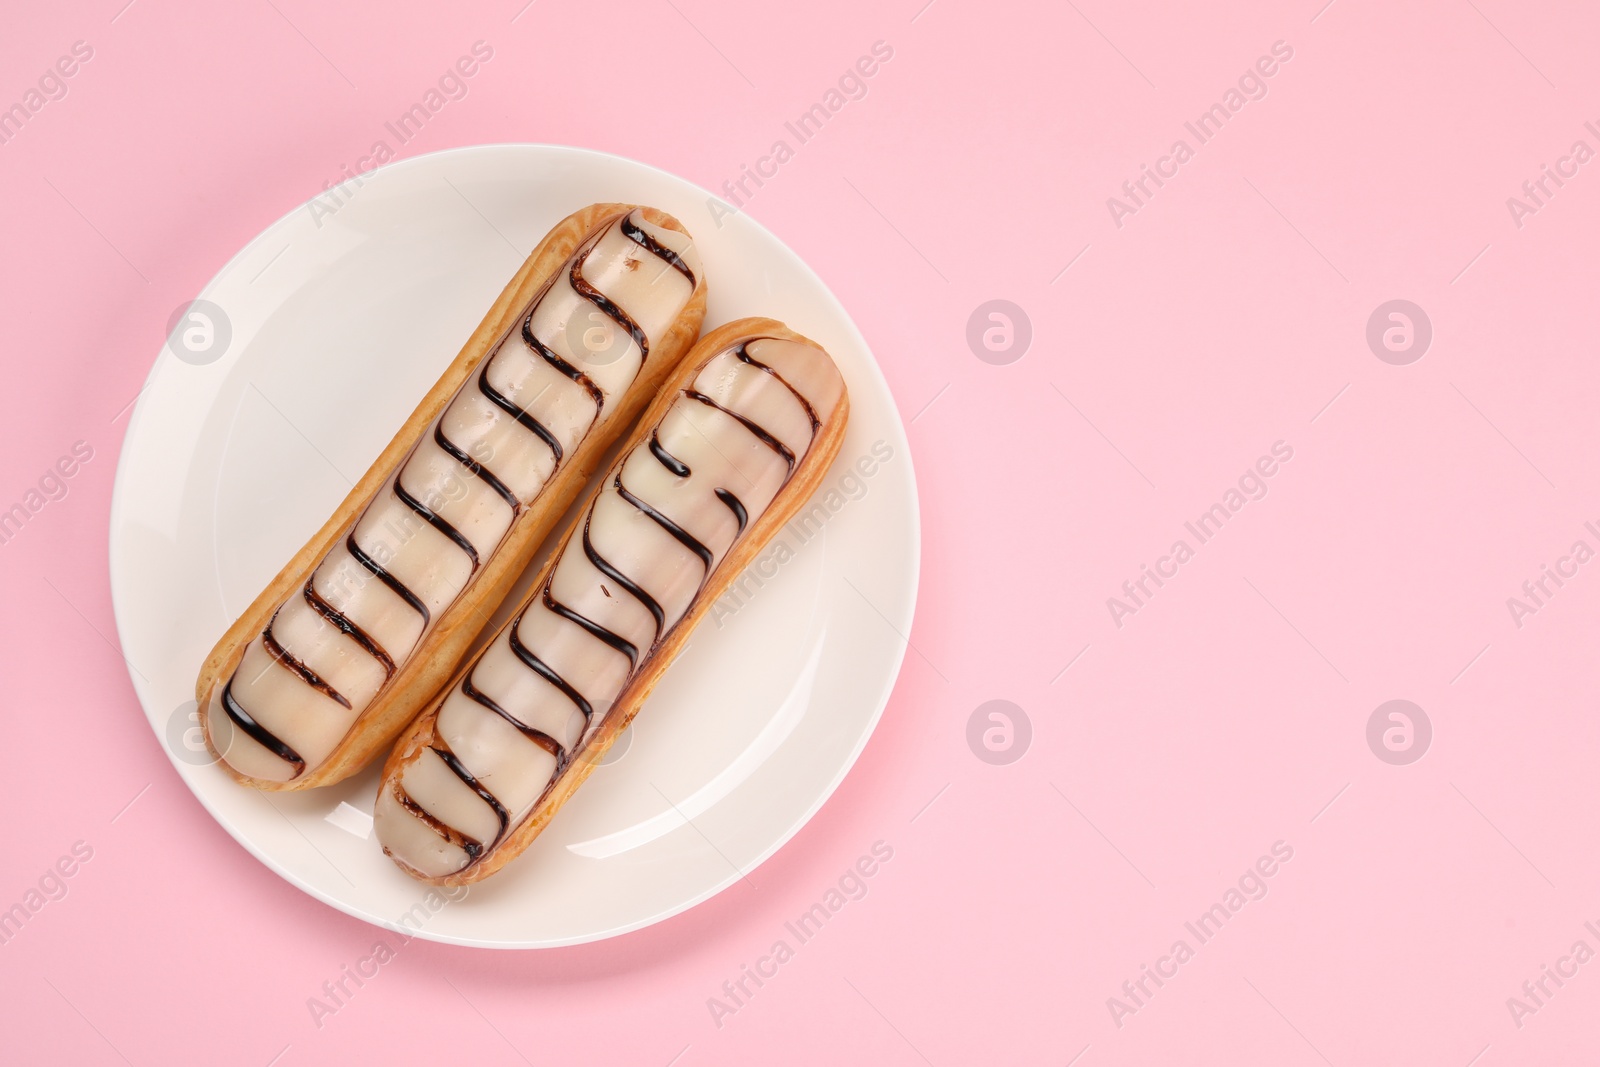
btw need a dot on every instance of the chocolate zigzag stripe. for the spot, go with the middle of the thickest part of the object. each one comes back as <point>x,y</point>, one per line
<point>532,661</point>
<point>583,288</point>
<point>523,418</point>
<point>679,534</point>
<point>549,356</point>
<point>636,233</point>
<point>470,845</point>
<point>668,460</point>
<point>399,588</point>
<point>434,519</point>
<point>516,411</point>
<point>260,734</point>
<point>538,737</point>
<point>604,566</point>
<point>761,435</point>
<point>742,354</point>
<point>594,629</point>
<point>287,659</point>
<point>735,505</point>
<point>545,671</point>
<point>344,625</point>
<point>478,470</point>
<point>473,784</point>
<point>681,469</point>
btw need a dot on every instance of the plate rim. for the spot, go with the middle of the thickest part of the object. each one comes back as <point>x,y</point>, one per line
<point>120,610</point>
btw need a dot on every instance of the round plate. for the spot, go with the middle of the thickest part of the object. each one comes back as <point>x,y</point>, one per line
<point>274,395</point>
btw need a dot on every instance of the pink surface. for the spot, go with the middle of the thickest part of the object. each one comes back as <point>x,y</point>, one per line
<point>1228,714</point>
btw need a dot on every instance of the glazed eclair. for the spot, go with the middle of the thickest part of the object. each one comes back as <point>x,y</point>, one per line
<point>368,621</point>
<point>734,445</point>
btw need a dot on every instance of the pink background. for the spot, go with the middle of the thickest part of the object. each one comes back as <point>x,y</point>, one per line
<point>1228,714</point>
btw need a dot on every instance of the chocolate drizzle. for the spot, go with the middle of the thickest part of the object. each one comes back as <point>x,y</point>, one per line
<point>477,469</point>
<point>342,623</point>
<point>742,354</point>
<point>594,629</point>
<point>668,460</point>
<point>636,233</point>
<point>306,674</point>
<point>434,519</point>
<point>543,669</point>
<point>471,846</point>
<point>517,412</point>
<point>583,288</point>
<point>735,505</point>
<point>399,588</point>
<point>366,559</point>
<point>550,357</point>
<point>538,737</point>
<point>679,534</point>
<point>761,435</point>
<point>260,734</point>
<point>681,469</point>
<point>604,566</point>
<point>456,768</point>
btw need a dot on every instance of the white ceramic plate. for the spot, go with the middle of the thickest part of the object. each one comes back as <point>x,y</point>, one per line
<point>337,319</point>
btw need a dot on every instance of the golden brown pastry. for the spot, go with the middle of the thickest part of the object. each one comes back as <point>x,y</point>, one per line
<point>370,618</point>
<point>732,447</point>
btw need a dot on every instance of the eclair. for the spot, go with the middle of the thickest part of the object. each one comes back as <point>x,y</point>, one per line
<point>368,621</point>
<point>735,443</point>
